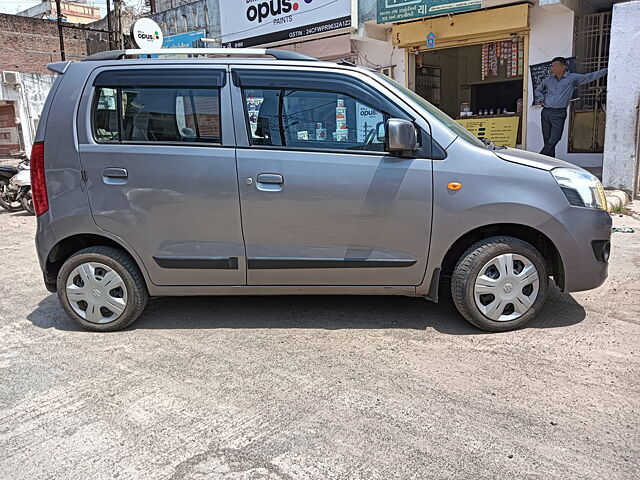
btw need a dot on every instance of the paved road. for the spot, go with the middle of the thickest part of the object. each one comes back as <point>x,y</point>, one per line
<point>318,388</point>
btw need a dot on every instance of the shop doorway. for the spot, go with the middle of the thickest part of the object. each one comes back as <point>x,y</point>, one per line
<point>587,114</point>
<point>482,86</point>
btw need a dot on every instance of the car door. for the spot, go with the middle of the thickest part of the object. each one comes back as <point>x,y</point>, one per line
<point>322,201</point>
<point>160,169</point>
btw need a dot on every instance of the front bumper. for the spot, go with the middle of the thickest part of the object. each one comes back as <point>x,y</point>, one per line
<point>587,232</point>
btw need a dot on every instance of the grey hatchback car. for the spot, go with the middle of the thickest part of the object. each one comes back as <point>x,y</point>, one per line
<point>228,172</point>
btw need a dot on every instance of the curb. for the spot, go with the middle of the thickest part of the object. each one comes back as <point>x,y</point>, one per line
<point>616,199</point>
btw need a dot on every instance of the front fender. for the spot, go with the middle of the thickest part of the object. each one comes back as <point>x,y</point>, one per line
<point>495,192</point>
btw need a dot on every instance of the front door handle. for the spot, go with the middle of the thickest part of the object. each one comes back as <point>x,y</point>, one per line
<point>270,179</point>
<point>269,182</point>
<point>114,176</point>
<point>115,172</point>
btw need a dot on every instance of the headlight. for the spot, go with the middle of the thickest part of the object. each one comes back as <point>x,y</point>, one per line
<point>580,187</point>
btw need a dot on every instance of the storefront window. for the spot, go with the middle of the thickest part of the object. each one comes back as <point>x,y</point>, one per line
<point>445,119</point>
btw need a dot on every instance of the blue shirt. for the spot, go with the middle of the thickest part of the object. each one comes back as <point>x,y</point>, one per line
<point>557,93</point>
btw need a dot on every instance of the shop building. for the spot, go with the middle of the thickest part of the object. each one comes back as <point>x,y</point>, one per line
<point>487,62</point>
<point>473,67</point>
<point>446,60</point>
<point>76,11</point>
<point>26,46</point>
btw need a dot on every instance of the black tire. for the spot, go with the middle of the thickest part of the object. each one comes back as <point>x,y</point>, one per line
<point>124,266</point>
<point>10,207</point>
<point>468,268</point>
<point>27,203</point>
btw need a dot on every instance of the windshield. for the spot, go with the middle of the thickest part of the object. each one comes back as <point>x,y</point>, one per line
<point>445,119</point>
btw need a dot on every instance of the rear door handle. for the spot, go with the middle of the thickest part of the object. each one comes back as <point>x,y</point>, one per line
<point>270,179</point>
<point>114,176</point>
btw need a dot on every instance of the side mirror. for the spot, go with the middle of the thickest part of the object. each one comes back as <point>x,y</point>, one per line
<point>401,136</point>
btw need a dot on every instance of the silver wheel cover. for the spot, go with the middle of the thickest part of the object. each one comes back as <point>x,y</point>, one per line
<point>96,292</point>
<point>506,287</point>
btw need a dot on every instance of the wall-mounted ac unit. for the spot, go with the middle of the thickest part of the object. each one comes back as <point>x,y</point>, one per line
<point>10,78</point>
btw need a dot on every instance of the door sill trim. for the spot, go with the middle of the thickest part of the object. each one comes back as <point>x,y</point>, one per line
<point>181,291</point>
<point>284,263</point>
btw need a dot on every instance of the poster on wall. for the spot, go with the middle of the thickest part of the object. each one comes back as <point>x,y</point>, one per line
<point>396,10</point>
<point>246,23</point>
<point>501,131</point>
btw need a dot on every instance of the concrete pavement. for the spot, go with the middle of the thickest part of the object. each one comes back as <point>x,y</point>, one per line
<point>318,387</point>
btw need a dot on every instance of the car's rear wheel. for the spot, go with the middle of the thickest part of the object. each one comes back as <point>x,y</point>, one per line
<point>102,289</point>
<point>500,284</point>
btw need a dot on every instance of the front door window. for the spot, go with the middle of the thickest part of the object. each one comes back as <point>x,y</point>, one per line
<point>308,119</point>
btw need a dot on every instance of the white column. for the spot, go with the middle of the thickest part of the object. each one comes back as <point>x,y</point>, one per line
<point>620,165</point>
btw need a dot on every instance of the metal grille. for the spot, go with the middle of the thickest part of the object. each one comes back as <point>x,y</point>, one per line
<point>592,36</point>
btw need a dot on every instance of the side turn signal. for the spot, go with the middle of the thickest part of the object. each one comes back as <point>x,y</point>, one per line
<point>454,186</point>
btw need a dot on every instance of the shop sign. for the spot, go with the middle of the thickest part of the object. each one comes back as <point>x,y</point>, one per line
<point>146,34</point>
<point>501,131</point>
<point>184,40</point>
<point>431,40</point>
<point>246,23</point>
<point>396,10</point>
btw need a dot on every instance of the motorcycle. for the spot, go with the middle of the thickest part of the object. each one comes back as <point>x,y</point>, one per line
<point>15,187</point>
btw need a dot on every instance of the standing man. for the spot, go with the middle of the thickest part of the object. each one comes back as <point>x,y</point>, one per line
<point>555,93</point>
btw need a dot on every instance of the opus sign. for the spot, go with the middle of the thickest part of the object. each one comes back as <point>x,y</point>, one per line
<point>396,10</point>
<point>146,34</point>
<point>245,23</point>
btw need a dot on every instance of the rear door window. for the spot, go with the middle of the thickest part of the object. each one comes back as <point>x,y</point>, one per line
<point>134,108</point>
<point>170,115</point>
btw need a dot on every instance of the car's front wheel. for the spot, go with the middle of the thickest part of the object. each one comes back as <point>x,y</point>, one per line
<point>102,289</point>
<point>500,284</point>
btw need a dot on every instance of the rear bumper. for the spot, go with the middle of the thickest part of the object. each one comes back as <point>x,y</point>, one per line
<point>587,231</point>
<point>45,240</point>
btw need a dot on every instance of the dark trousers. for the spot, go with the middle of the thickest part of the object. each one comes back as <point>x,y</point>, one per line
<point>552,127</point>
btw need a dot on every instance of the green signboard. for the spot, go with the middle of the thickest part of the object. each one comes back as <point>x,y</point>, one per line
<point>396,10</point>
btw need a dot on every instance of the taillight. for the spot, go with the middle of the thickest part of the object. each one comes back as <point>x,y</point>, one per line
<point>38,183</point>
